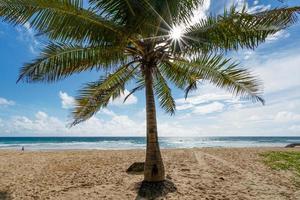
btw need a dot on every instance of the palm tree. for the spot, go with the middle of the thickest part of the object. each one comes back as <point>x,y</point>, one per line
<point>141,40</point>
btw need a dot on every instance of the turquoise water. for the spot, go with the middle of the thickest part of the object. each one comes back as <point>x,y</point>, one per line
<point>51,143</point>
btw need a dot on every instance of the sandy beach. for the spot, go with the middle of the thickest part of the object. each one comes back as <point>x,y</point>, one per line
<point>206,173</point>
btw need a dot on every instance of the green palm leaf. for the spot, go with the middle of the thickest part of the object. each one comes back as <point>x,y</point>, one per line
<point>140,86</point>
<point>97,95</point>
<point>147,17</point>
<point>224,74</point>
<point>178,75</point>
<point>163,93</point>
<point>236,30</point>
<point>59,61</point>
<point>63,20</point>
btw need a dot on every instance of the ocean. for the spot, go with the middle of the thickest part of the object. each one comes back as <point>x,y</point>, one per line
<point>61,143</point>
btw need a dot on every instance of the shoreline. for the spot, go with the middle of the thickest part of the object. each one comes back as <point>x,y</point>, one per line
<point>143,149</point>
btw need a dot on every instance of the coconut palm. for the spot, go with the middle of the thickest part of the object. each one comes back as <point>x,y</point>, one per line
<point>150,41</point>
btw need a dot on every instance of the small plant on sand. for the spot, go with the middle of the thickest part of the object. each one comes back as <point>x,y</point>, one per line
<point>154,42</point>
<point>284,161</point>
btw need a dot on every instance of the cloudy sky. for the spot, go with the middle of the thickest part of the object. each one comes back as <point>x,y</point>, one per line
<point>44,109</point>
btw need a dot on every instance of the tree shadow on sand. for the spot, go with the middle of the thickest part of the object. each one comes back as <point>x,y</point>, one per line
<point>4,195</point>
<point>147,190</point>
<point>154,191</point>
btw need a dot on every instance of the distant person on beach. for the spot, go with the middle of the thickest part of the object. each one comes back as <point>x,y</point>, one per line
<point>23,148</point>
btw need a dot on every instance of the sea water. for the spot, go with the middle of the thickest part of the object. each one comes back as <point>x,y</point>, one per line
<point>52,143</point>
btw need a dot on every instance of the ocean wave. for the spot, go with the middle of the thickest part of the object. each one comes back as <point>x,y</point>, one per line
<point>139,143</point>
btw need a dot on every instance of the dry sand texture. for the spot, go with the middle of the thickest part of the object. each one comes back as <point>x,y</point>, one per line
<point>208,173</point>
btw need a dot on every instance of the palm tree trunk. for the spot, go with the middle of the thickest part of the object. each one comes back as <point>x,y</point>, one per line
<point>154,168</point>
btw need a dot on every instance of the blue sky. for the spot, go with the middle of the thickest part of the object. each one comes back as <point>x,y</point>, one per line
<point>44,109</point>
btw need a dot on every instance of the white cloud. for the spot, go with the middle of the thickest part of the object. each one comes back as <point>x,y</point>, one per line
<point>202,97</point>
<point>285,116</point>
<point>248,54</point>
<point>250,119</point>
<point>258,8</point>
<point>209,108</point>
<point>185,106</point>
<point>169,129</point>
<point>5,102</point>
<point>27,35</point>
<point>107,112</point>
<point>201,12</point>
<point>295,128</point>
<point>279,35</point>
<point>278,72</point>
<point>116,125</point>
<point>66,100</point>
<point>120,100</point>
<point>207,100</point>
<point>240,4</point>
<point>43,124</point>
<point>261,120</point>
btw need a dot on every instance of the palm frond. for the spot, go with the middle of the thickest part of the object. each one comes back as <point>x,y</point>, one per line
<point>181,11</point>
<point>224,74</point>
<point>163,93</point>
<point>61,20</point>
<point>135,15</point>
<point>58,61</point>
<point>116,10</point>
<point>181,77</point>
<point>235,29</point>
<point>97,95</point>
<point>140,86</point>
<point>147,18</point>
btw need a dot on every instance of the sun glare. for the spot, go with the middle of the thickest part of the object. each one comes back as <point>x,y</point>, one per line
<point>176,33</point>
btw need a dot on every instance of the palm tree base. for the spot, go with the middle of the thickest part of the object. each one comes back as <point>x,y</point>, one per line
<point>154,172</point>
<point>153,190</point>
